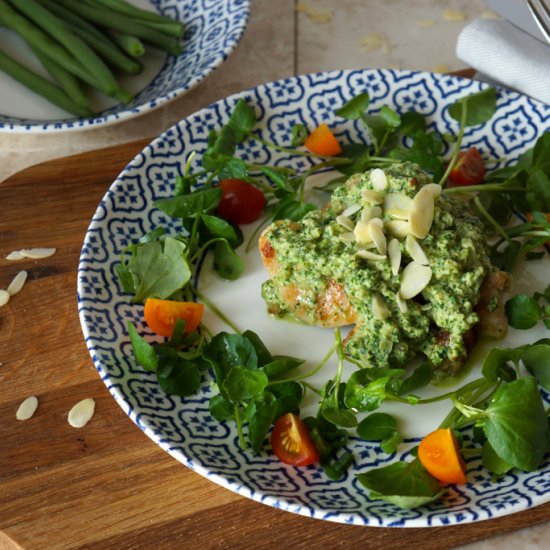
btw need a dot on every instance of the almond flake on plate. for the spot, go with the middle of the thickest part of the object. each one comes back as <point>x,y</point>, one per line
<point>4,297</point>
<point>379,308</point>
<point>27,408</point>
<point>394,254</point>
<point>414,280</point>
<point>378,179</point>
<point>81,413</point>
<point>368,255</point>
<point>344,221</point>
<point>17,283</point>
<point>422,213</point>
<point>371,196</point>
<point>377,235</point>
<point>398,205</point>
<point>416,252</point>
<point>371,212</point>
<point>351,210</point>
<point>32,253</point>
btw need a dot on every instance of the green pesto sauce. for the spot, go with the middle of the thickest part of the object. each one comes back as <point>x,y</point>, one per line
<point>311,254</point>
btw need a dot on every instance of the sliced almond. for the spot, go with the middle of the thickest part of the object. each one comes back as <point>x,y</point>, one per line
<point>378,179</point>
<point>398,228</point>
<point>414,280</point>
<point>379,308</point>
<point>4,297</point>
<point>362,232</point>
<point>422,213</point>
<point>398,205</point>
<point>344,221</point>
<point>401,303</point>
<point>351,210</point>
<point>371,212</point>
<point>434,189</point>
<point>17,283</point>
<point>27,408</point>
<point>416,252</point>
<point>15,255</point>
<point>348,237</point>
<point>37,253</point>
<point>81,413</point>
<point>394,254</point>
<point>371,196</point>
<point>377,236</point>
<point>368,255</point>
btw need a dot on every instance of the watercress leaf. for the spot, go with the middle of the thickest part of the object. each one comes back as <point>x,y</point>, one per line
<point>506,256</point>
<point>290,209</point>
<point>335,469</point>
<point>516,425</point>
<point>495,364</point>
<point>264,411</point>
<point>392,119</point>
<point>233,168</point>
<point>242,119</point>
<point>536,359</point>
<point>177,333</point>
<point>354,108</point>
<point>377,128</point>
<point>299,134</point>
<point>242,384</point>
<point>143,351</point>
<point>220,408</point>
<point>492,461</point>
<point>421,377</point>
<point>363,394</point>
<point>498,205</point>
<point>339,417</point>
<point>292,390</point>
<point>185,206</point>
<point>280,366</point>
<point>411,123</point>
<point>480,107</point>
<point>541,155</point>
<point>277,177</point>
<point>227,263</point>
<point>523,311</point>
<point>178,376</point>
<point>125,278</point>
<point>221,228</point>
<point>538,191</point>
<point>405,484</point>
<point>360,156</point>
<point>227,350</point>
<point>159,269</point>
<point>153,235</point>
<point>390,445</point>
<point>263,354</point>
<point>377,427</point>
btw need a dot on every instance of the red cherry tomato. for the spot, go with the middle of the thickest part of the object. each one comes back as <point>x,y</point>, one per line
<point>292,443</point>
<point>469,168</point>
<point>240,202</point>
<point>161,315</point>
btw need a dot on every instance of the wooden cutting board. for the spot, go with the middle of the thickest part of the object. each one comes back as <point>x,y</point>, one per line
<point>107,485</point>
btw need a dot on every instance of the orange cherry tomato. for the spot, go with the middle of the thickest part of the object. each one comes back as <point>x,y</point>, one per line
<point>292,443</point>
<point>439,454</point>
<point>469,168</point>
<point>322,142</point>
<point>161,315</point>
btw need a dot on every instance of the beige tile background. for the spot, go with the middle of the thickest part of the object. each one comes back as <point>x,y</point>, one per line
<point>287,37</point>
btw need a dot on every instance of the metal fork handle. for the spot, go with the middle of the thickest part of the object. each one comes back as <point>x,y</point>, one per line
<point>541,14</point>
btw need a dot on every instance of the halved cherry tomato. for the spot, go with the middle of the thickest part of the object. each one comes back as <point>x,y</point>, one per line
<point>469,168</point>
<point>292,443</point>
<point>161,315</point>
<point>240,202</point>
<point>322,142</point>
<point>439,454</point>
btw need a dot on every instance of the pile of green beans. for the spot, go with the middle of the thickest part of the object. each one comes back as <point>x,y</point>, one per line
<point>84,42</point>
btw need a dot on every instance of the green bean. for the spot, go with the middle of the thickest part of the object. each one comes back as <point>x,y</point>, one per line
<point>132,45</point>
<point>164,24</point>
<point>98,41</point>
<point>124,24</point>
<point>67,81</point>
<point>41,86</point>
<point>81,51</point>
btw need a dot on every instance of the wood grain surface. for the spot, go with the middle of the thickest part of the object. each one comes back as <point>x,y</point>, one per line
<point>107,486</point>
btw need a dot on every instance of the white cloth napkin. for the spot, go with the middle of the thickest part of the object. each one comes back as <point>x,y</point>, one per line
<point>507,55</point>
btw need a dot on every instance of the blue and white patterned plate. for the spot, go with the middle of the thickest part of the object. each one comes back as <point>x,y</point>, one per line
<point>213,29</point>
<point>184,427</point>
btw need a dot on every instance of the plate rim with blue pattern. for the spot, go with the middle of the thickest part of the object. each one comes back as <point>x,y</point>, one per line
<point>183,427</point>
